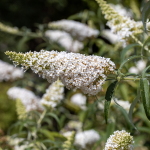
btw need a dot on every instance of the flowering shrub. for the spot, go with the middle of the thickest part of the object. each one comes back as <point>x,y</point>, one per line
<point>99,80</point>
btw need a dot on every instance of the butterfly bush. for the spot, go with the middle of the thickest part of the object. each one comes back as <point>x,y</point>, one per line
<point>54,94</point>
<point>124,27</point>
<point>76,29</point>
<point>9,73</point>
<point>76,71</point>
<point>28,98</point>
<point>65,40</point>
<point>119,140</point>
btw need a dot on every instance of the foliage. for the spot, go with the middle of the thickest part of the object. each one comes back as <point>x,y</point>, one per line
<point>45,130</point>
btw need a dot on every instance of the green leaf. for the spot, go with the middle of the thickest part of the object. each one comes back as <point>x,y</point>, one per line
<point>110,129</point>
<point>144,129</point>
<point>55,117</point>
<point>108,96</point>
<point>126,49</point>
<point>47,133</point>
<point>129,59</point>
<point>115,100</point>
<point>144,71</point>
<point>124,113</point>
<point>145,14</point>
<point>144,44</point>
<point>144,91</point>
<point>132,108</point>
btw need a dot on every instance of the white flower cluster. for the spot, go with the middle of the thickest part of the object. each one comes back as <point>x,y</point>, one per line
<point>29,100</point>
<point>65,40</point>
<point>74,125</point>
<point>8,72</point>
<point>15,142</point>
<point>79,99</point>
<point>54,94</point>
<point>8,29</point>
<point>120,140</point>
<point>76,29</point>
<point>113,38</point>
<point>124,28</point>
<point>86,138</point>
<point>124,104</point>
<point>140,66</point>
<point>76,71</point>
<point>122,10</point>
<point>83,139</point>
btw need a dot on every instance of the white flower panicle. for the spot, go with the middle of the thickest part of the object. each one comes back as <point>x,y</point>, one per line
<point>76,29</point>
<point>54,94</point>
<point>76,71</point>
<point>124,27</point>
<point>122,10</point>
<point>8,72</point>
<point>79,99</point>
<point>120,140</point>
<point>113,38</point>
<point>12,30</point>
<point>28,98</point>
<point>65,40</point>
<point>86,138</point>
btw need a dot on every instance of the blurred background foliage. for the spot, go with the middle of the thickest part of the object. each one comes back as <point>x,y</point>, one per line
<point>33,16</point>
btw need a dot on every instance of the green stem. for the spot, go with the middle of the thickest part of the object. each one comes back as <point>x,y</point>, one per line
<point>41,118</point>
<point>139,42</point>
<point>114,77</point>
<point>39,123</point>
<point>126,78</point>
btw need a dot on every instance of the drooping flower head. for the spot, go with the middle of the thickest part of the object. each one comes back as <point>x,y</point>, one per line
<point>12,30</point>
<point>124,27</point>
<point>8,72</point>
<point>54,94</point>
<point>76,71</point>
<point>77,29</point>
<point>28,98</point>
<point>65,40</point>
<point>120,140</point>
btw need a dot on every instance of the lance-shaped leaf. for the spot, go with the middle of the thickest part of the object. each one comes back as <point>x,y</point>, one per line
<point>132,108</point>
<point>144,45</point>
<point>145,14</point>
<point>126,49</point>
<point>144,91</point>
<point>108,96</point>
<point>129,59</point>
